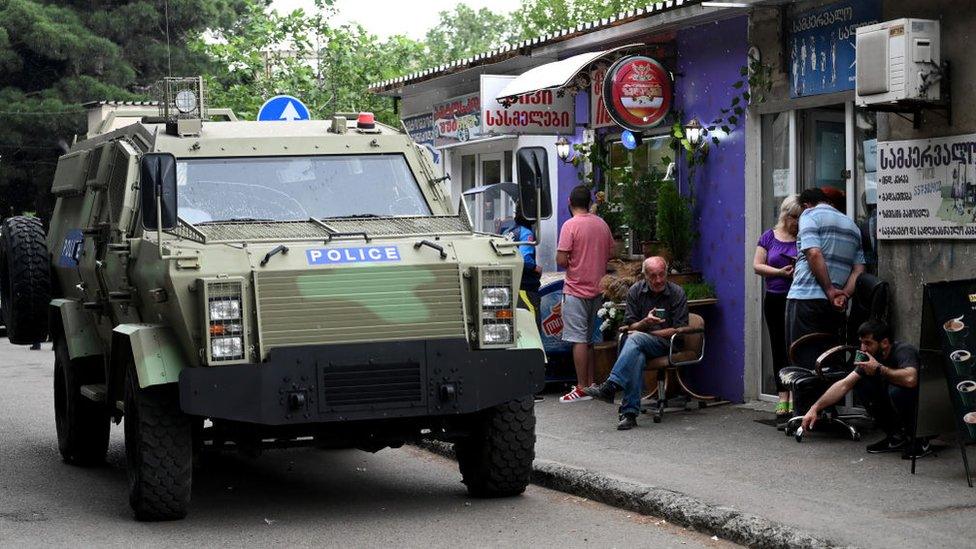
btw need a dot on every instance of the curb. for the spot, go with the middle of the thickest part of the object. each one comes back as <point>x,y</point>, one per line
<point>672,506</point>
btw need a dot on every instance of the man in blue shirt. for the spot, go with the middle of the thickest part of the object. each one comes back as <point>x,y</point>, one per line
<point>829,261</point>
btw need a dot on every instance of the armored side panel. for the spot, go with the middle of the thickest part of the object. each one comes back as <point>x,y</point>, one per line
<point>155,351</point>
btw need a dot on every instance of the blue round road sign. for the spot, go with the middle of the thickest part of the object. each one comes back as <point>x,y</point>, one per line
<point>283,107</point>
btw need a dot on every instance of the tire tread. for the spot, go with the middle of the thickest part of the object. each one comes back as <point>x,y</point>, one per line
<point>496,461</point>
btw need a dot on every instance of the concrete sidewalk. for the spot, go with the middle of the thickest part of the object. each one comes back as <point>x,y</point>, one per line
<point>827,486</point>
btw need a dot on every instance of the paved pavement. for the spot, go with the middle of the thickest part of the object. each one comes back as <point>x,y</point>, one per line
<point>827,485</point>
<point>304,497</point>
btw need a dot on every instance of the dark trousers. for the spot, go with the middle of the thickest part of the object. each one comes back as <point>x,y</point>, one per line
<point>534,300</point>
<point>808,316</point>
<point>774,312</point>
<point>891,406</point>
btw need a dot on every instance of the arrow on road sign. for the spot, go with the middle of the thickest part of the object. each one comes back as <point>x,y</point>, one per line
<point>290,113</point>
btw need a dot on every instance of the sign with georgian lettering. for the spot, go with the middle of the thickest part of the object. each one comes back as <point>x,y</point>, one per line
<point>637,92</point>
<point>927,188</point>
<point>457,120</point>
<point>599,116</point>
<point>540,113</point>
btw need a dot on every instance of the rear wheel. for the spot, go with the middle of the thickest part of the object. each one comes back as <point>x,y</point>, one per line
<point>82,424</point>
<point>496,460</point>
<point>25,279</point>
<point>158,450</point>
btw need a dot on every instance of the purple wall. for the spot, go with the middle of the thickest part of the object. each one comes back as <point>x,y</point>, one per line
<point>709,59</point>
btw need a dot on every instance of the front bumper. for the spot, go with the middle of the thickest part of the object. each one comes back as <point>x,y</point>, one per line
<point>362,381</point>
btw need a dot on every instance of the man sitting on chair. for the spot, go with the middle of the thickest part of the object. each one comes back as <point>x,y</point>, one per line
<point>648,337</point>
<point>887,384</point>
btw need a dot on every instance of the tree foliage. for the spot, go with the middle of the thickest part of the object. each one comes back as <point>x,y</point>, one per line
<point>465,32</point>
<point>304,54</point>
<point>54,56</point>
<point>538,17</point>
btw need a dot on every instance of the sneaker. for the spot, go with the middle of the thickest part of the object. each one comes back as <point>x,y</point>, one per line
<point>576,395</point>
<point>888,444</point>
<point>627,422</point>
<point>538,398</point>
<point>604,391</point>
<point>920,449</point>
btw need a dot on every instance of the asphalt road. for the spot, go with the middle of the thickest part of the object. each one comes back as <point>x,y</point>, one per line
<point>405,497</point>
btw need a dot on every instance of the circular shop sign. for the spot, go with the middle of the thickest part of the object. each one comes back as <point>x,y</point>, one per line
<point>637,92</point>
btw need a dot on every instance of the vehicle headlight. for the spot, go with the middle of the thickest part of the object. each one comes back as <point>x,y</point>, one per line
<point>496,296</point>
<point>496,333</point>
<point>496,313</point>
<point>227,348</point>
<point>223,308</point>
<point>226,322</point>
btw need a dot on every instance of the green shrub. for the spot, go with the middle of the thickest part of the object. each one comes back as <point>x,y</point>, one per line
<point>698,290</point>
<point>674,223</point>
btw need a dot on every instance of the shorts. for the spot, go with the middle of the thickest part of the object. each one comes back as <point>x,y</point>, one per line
<point>579,318</point>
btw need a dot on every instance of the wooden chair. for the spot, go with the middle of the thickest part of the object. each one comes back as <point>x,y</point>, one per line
<point>691,351</point>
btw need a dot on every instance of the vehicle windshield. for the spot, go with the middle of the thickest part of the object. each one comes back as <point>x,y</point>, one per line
<point>297,187</point>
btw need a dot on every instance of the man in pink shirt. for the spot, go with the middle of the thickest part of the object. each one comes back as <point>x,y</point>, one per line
<point>585,246</point>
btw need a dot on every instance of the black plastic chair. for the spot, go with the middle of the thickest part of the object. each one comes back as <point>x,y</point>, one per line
<point>819,360</point>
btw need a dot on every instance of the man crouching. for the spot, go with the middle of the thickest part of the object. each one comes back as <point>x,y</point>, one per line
<point>656,310</point>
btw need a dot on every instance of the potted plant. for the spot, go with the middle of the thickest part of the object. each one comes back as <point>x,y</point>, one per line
<point>612,214</point>
<point>674,225</point>
<point>638,201</point>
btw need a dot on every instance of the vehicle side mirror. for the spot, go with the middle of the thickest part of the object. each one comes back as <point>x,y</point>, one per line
<point>533,180</point>
<point>157,180</point>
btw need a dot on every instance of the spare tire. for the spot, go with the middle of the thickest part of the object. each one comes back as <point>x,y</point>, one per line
<point>25,279</point>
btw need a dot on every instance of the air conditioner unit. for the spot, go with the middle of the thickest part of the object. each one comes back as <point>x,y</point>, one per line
<point>897,60</point>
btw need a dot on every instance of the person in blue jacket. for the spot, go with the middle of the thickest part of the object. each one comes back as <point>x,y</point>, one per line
<point>531,271</point>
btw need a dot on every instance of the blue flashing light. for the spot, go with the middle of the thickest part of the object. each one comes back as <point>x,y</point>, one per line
<point>630,140</point>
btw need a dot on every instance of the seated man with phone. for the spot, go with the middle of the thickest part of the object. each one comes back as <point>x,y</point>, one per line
<point>656,310</point>
<point>885,379</point>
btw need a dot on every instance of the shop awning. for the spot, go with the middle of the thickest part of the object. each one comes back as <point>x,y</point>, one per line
<point>554,75</point>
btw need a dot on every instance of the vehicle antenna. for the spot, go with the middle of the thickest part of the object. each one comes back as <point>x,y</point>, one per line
<point>169,59</point>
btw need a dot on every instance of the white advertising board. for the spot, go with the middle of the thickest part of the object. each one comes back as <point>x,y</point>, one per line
<point>537,113</point>
<point>927,188</point>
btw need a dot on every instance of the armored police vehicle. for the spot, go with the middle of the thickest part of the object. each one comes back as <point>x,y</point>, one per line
<point>220,284</point>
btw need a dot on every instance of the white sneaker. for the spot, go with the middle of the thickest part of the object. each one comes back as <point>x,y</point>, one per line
<point>575,395</point>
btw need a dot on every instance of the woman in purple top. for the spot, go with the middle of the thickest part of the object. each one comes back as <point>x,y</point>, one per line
<point>774,260</point>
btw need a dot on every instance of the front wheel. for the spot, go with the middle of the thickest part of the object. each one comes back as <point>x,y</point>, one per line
<point>158,450</point>
<point>496,460</point>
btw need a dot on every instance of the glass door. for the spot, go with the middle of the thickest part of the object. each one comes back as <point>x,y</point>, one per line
<point>824,148</point>
<point>778,182</point>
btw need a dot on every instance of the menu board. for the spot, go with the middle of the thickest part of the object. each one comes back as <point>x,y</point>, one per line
<point>950,324</point>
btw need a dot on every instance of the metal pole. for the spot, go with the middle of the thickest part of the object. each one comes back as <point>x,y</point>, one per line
<point>159,220</point>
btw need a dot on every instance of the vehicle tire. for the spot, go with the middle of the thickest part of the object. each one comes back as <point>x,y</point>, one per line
<point>496,460</point>
<point>158,450</point>
<point>82,424</point>
<point>25,279</point>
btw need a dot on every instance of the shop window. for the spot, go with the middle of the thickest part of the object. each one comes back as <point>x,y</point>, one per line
<point>776,178</point>
<point>645,159</point>
<point>648,156</point>
<point>866,183</point>
<point>469,167</point>
<point>507,167</point>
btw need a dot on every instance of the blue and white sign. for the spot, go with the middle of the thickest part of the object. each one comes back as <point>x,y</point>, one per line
<point>71,248</point>
<point>283,107</point>
<point>822,46</point>
<point>367,254</point>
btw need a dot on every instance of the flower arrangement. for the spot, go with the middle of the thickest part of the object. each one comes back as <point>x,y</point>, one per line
<point>613,317</point>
